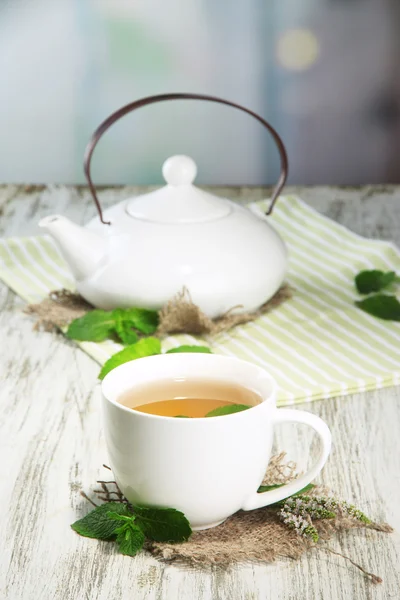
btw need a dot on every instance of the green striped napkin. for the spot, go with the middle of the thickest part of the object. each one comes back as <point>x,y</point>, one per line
<point>316,345</point>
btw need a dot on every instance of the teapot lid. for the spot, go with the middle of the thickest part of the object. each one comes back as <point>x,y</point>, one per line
<point>179,201</point>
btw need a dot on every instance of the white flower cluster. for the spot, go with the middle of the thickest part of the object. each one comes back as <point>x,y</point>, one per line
<point>298,512</point>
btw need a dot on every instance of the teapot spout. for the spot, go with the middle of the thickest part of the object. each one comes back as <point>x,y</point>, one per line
<point>81,248</point>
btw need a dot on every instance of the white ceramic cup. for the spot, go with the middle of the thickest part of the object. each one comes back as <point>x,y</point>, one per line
<point>209,468</point>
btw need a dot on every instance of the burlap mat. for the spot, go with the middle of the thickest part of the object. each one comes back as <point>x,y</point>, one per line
<point>179,315</point>
<point>58,310</point>
<point>251,536</point>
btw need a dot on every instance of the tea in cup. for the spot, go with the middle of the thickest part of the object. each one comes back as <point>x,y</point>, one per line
<point>194,432</point>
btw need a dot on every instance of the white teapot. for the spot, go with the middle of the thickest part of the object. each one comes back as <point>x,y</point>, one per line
<point>144,250</point>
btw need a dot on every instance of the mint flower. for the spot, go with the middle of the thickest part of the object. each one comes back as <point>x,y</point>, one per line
<point>298,512</point>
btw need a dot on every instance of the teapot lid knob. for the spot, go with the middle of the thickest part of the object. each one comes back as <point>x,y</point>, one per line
<point>179,170</point>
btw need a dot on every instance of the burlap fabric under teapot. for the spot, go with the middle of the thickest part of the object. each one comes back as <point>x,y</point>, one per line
<point>179,315</point>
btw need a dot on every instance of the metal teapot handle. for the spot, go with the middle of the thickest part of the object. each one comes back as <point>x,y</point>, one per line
<point>161,98</point>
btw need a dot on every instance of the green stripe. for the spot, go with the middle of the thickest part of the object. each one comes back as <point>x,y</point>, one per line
<point>52,278</point>
<point>317,344</point>
<point>27,284</point>
<point>311,222</point>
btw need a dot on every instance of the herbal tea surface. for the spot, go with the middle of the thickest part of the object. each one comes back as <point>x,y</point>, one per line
<point>194,398</point>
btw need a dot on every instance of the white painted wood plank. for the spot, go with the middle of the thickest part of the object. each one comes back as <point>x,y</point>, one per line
<point>51,444</point>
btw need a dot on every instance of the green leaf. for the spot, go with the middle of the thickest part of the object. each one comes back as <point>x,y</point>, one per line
<point>142,319</point>
<point>95,326</point>
<point>130,539</point>
<point>312,533</point>
<point>98,325</point>
<point>267,488</point>
<point>144,347</point>
<point>117,517</point>
<point>373,281</point>
<point>305,489</point>
<point>203,349</point>
<point>181,417</point>
<point>382,306</point>
<point>97,524</point>
<point>228,409</point>
<point>124,330</point>
<point>162,524</point>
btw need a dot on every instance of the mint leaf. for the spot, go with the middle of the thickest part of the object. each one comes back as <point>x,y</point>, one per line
<point>123,328</point>
<point>97,524</point>
<point>373,281</point>
<point>228,409</point>
<point>144,347</point>
<point>305,489</point>
<point>142,319</point>
<point>190,349</point>
<point>114,521</point>
<point>382,306</point>
<point>267,488</point>
<point>130,539</point>
<point>162,524</point>
<point>117,517</point>
<point>98,325</point>
<point>95,326</point>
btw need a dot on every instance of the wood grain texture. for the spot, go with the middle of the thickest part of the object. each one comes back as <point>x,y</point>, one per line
<point>51,445</point>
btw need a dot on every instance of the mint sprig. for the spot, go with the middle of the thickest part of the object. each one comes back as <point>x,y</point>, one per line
<point>267,488</point>
<point>228,409</point>
<point>124,328</point>
<point>145,347</point>
<point>374,280</point>
<point>130,539</point>
<point>129,528</point>
<point>97,524</point>
<point>99,325</point>
<point>162,524</point>
<point>126,324</point>
<point>184,348</point>
<point>95,326</point>
<point>383,306</point>
<point>142,319</point>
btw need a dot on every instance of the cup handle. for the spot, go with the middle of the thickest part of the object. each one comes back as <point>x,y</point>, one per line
<point>285,415</point>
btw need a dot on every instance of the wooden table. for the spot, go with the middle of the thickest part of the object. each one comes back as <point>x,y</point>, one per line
<point>52,446</point>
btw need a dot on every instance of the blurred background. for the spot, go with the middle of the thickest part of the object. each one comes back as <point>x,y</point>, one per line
<point>325,73</point>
